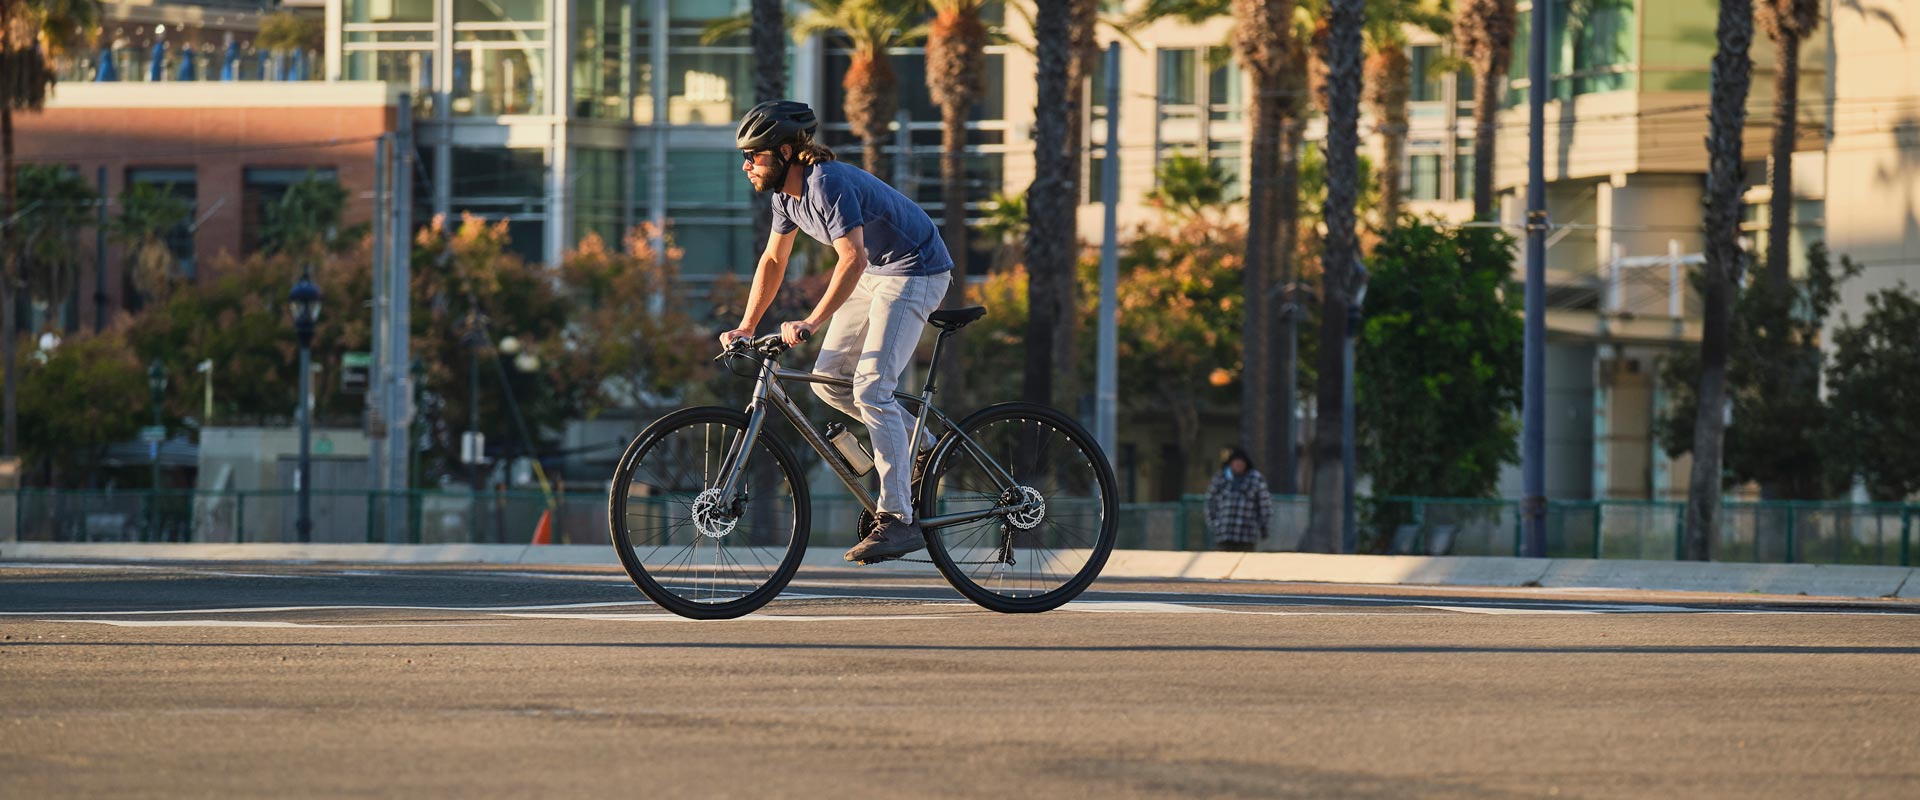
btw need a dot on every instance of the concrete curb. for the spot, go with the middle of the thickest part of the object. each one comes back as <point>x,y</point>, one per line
<point>1819,580</point>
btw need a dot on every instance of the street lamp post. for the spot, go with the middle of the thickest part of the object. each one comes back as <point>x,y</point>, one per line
<point>304,302</point>
<point>157,384</point>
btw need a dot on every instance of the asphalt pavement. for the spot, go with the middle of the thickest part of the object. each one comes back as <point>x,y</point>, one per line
<point>258,679</point>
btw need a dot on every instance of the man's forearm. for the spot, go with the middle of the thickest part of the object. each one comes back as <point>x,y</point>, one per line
<point>766,283</point>
<point>846,275</point>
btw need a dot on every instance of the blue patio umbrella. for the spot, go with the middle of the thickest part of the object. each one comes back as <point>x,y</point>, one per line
<point>186,72</point>
<point>157,67</point>
<point>230,66</point>
<point>297,65</point>
<point>106,71</point>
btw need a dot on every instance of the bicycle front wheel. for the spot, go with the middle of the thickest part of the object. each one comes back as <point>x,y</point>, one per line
<point>1055,524</point>
<point>692,550</point>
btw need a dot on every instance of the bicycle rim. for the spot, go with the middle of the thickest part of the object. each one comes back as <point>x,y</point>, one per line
<point>691,550</point>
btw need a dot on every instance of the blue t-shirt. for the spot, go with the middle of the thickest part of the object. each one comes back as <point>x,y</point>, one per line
<point>836,198</point>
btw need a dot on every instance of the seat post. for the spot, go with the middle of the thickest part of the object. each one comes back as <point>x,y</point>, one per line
<point>933,366</point>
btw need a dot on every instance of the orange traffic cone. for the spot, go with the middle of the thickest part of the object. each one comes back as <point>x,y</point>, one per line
<point>543,532</point>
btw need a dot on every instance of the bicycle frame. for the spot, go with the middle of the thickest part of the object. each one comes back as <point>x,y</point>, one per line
<point>768,392</point>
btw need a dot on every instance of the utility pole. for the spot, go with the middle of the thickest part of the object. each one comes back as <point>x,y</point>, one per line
<point>399,361</point>
<point>376,380</point>
<point>1533,439</point>
<point>1107,384</point>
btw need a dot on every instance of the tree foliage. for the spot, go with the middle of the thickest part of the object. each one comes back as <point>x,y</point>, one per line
<point>1437,364</point>
<point>306,218</point>
<point>88,393</point>
<point>55,203</point>
<point>472,292</point>
<point>628,356</point>
<point>1874,426</point>
<point>148,212</point>
<point>1773,368</point>
<point>241,322</point>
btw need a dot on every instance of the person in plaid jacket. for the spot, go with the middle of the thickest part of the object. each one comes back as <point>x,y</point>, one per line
<point>1238,504</point>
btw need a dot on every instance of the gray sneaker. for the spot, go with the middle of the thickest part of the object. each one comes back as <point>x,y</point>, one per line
<point>890,540</point>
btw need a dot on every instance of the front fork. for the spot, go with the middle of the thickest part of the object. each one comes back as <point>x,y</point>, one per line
<point>733,496</point>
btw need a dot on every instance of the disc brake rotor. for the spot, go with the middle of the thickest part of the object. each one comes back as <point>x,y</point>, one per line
<point>710,518</point>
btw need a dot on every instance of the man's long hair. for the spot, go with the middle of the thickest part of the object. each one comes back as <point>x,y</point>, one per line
<point>813,154</point>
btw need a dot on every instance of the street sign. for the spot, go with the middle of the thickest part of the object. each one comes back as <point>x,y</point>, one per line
<point>356,372</point>
<point>153,434</point>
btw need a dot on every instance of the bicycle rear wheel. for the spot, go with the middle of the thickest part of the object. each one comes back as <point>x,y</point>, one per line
<point>694,552</point>
<point>1042,556</point>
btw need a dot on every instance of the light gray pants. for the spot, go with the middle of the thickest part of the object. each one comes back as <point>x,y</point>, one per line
<point>870,341</point>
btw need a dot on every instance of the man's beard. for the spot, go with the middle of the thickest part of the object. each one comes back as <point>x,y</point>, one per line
<point>773,183</point>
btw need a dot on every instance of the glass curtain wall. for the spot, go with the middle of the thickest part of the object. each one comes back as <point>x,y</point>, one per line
<point>499,58</point>
<point>390,41</point>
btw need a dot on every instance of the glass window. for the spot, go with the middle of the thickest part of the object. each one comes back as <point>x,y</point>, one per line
<point>1423,177</point>
<point>499,172</point>
<point>184,184</point>
<point>1228,161</point>
<point>493,81</point>
<point>599,60</point>
<point>715,247</point>
<point>499,11</point>
<point>373,11</point>
<point>1426,84</point>
<point>1463,173</point>
<point>1226,89</point>
<point>1177,76</point>
<point>263,186</point>
<point>708,86</point>
<point>409,68</point>
<point>706,179</point>
<point>1096,176</point>
<point>910,70</point>
<point>1600,44</point>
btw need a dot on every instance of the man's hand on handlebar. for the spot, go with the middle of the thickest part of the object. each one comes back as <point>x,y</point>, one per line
<point>793,333</point>
<point>729,337</point>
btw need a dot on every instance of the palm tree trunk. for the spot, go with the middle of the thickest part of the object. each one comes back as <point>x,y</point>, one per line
<point>871,100</point>
<point>953,197</point>
<point>1786,101</point>
<point>1486,120</point>
<point>1049,204</point>
<point>1342,249</point>
<point>1083,60</point>
<point>1257,390</point>
<point>1284,464</point>
<point>956,60</point>
<point>1389,74</point>
<point>1732,78</point>
<point>769,40</point>
<point>9,269</point>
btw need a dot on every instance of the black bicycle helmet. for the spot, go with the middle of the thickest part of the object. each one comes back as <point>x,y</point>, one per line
<point>774,123</point>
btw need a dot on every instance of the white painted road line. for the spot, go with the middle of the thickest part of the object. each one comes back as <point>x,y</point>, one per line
<point>256,623</point>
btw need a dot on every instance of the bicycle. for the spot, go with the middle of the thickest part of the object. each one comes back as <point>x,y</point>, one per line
<point>710,513</point>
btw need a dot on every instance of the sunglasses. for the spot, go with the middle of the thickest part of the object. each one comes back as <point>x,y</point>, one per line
<point>753,156</point>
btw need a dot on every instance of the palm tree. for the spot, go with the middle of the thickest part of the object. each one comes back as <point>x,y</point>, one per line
<point>1732,78</point>
<point>874,28</point>
<point>1344,23</point>
<point>1264,44</point>
<point>768,22</point>
<point>1390,84</point>
<point>1788,23</point>
<point>1389,88</point>
<point>956,78</point>
<point>32,34</point>
<point>1050,203</point>
<point>1483,32</point>
<point>55,205</point>
<point>148,212</point>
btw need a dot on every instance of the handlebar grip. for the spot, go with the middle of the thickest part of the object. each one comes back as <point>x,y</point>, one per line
<point>805,335</point>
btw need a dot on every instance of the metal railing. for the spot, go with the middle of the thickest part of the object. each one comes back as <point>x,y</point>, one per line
<point>1763,532</point>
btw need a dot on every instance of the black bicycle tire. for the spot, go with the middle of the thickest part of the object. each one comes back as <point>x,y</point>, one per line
<point>1103,547</point>
<point>616,515</point>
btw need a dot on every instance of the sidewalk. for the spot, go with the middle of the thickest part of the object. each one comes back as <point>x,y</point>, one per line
<point>1814,580</point>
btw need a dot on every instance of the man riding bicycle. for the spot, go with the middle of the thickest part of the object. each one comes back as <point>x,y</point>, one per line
<point>892,272</point>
